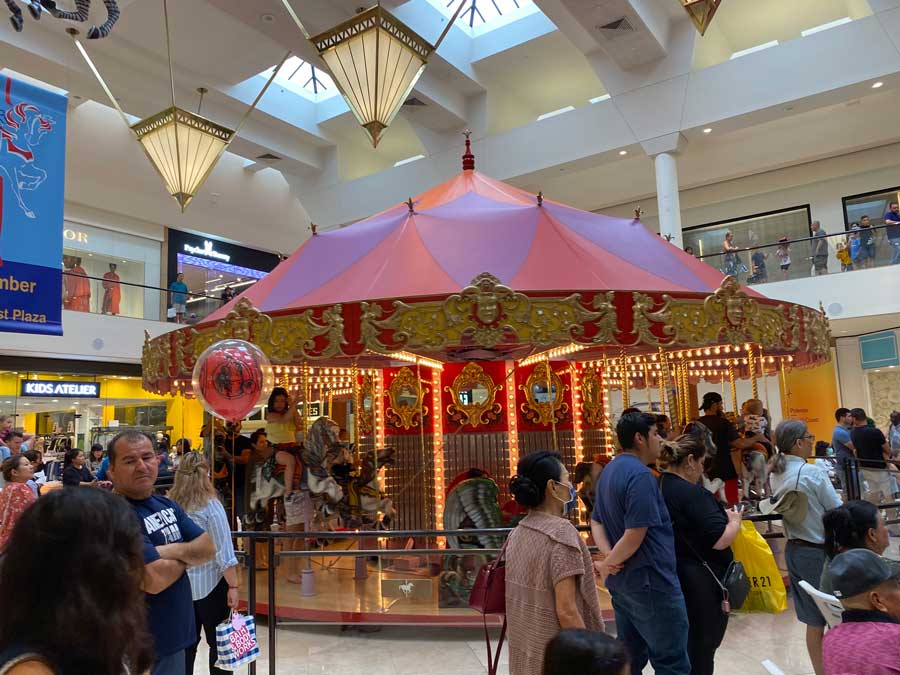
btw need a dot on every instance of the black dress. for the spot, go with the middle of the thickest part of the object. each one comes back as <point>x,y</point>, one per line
<point>699,521</point>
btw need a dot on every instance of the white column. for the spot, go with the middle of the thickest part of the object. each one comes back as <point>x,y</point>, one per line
<point>667,197</point>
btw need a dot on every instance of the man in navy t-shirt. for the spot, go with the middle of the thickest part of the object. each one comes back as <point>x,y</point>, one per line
<point>172,543</point>
<point>632,527</point>
<point>892,220</point>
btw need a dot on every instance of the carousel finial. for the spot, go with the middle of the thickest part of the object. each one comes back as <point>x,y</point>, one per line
<point>409,203</point>
<point>468,158</point>
<point>313,227</point>
<point>638,212</point>
<point>540,197</point>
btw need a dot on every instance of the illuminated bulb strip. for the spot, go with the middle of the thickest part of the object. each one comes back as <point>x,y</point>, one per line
<point>379,408</point>
<point>412,358</point>
<point>577,421</point>
<point>551,354</point>
<point>511,421</point>
<point>438,452</point>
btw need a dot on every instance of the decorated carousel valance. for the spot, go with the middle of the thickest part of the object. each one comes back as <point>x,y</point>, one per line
<point>478,270</point>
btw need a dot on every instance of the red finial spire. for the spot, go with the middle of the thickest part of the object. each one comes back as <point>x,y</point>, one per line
<point>468,158</point>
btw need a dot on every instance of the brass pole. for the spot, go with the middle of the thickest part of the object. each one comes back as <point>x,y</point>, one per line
<point>607,426</point>
<point>734,400</point>
<point>662,393</point>
<point>304,382</point>
<point>751,362</point>
<point>626,382</point>
<point>552,403</point>
<point>354,375</point>
<point>424,452</point>
<point>765,377</point>
<point>786,397</point>
<point>647,387</point>
<point>672,393</point>
<point>686,397</point>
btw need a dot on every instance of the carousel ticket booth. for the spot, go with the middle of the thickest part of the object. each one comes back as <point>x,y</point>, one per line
<point>477,323</point>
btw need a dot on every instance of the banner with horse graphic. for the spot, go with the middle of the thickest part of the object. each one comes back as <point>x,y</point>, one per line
<point>32,185</point>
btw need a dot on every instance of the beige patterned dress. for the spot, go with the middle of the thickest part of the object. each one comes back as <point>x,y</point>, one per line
<point>542,551</point>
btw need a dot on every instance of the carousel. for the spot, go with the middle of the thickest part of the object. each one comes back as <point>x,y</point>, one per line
<point>476,323</point>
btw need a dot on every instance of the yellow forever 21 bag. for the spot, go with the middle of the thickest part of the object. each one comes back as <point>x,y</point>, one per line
<point>767,591</point>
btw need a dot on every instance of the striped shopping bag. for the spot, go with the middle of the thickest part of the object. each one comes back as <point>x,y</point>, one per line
<point>236,642</point>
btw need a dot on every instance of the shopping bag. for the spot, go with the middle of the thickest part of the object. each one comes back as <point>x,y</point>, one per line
<point>767,591</point>
<point>236,642</point>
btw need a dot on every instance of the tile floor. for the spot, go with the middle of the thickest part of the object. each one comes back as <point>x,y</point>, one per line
<point>328,650</point>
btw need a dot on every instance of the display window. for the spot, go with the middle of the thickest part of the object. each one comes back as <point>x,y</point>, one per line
<point>106,272</point>
<point>763,229</point>
<point>874,205</point>
<point>213,272</point>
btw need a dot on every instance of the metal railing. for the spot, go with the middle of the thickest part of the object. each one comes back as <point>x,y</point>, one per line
<point>743,262</point>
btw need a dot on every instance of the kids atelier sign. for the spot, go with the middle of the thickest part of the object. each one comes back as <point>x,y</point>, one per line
<point>60,389</point>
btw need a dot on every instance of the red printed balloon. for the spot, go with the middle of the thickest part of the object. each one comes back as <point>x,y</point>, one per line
<point>231,378</point>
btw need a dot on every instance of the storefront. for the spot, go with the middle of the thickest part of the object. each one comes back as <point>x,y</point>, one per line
<point>98,266</point>
<point>81,402</point>
<point>210,266</point>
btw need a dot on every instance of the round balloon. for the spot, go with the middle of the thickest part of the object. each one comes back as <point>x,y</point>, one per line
<point>231,378</point>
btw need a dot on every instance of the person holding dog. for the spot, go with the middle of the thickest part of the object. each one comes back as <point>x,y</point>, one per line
<point>704,531</point>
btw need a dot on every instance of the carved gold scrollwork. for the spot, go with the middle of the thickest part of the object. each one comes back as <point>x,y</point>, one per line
<point>644,315</point>
<point>729,315</point>
<point>367,406</point>
<point>474,397</point>
<point>488,314</point>
<point>816,332</point>
<point>406,393</point>
<point>541,405</point>
<point>591,396</point>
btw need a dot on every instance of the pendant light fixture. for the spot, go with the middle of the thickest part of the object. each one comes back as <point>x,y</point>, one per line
<point>701,12</point>
<point>182,146</point>
<point>375,60</point>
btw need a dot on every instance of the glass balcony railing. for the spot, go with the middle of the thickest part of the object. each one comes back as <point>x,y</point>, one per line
<point>809,256</point>
<point>116,297</point>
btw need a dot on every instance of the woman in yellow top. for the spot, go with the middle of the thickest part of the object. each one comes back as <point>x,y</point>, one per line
<point>283,422</point>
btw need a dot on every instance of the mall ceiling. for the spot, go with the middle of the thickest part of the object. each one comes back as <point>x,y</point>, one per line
<point>499,75</point>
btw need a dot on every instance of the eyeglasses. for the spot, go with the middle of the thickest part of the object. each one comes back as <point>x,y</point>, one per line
<point>808,437</point>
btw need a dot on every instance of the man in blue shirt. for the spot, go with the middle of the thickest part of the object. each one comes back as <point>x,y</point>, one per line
<point>172,543</point>
<point>178,292</point>
<point>631,526</point>
<point>842,444</point>
<point>892,220</point>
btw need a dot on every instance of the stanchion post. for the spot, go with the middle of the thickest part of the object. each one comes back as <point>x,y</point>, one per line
<point>270,619</point>
<point>251,588</point>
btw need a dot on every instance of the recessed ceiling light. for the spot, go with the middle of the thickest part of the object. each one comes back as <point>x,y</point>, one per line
<point>56,400</point>
<point>877,85</point>
<point>623,152</point>
<point>707,130</point>
<point>267,18</point>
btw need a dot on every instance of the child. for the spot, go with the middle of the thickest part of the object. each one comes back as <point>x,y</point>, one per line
<point>783,253</point>
<point>842,251</point>
<point>585,652</point>
<point>855,243</point>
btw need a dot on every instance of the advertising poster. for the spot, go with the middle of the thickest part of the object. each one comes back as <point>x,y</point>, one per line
<point>32,184</point>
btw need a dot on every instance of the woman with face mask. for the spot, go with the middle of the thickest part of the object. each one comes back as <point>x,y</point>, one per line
<point>549,575</point>
<point>704,531</point>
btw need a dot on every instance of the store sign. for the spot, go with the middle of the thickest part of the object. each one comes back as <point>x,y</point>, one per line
<point>32,182</point>
<point>207,251</point>
<point>878,350</point>
<point>61,389</point>
<point>75,235</point>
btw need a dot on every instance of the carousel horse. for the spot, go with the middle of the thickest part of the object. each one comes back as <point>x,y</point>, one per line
<point>585,481</point>
<point>363,499</point>
<point>473,503</point>
<point>321,451</point>
<point>264,487</point>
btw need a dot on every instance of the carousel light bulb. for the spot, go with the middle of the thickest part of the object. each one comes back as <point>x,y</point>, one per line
<point>727,349</point>
<point>707,351</point>
<point>717,350</point>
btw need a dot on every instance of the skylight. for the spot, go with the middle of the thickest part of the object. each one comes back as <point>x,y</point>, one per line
<point>825,26</point>
<point>757,48</point>
<point>479,13</point>
<point>303,77</point>
<point>554,113</point>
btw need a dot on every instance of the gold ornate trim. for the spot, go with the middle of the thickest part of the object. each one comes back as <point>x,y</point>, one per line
<point>591,396</point>
<point>474,412</point>
<point>406,394</point>
<point>543,412</point>
<point>487,313</point>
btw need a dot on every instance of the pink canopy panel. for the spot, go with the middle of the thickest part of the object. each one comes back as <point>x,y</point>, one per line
<point>469,225</point>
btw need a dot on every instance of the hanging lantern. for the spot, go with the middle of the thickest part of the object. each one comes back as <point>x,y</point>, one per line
<point>182,146</point>
<point>701,12</point>
<point>375,60</point>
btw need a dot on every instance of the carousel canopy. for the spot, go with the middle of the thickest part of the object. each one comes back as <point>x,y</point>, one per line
<point>469,225</point>
<point>475,269</point>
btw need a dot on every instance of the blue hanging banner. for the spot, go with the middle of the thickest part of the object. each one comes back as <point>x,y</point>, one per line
<point>32,192</point>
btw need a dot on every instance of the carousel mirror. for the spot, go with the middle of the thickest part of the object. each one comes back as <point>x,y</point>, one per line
<point>474,394</point>
<point>405,394</point>
<point>543,403</point>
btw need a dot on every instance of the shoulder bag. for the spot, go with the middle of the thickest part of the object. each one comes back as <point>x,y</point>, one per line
<point>734,584</point>
<point>488,596</point>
